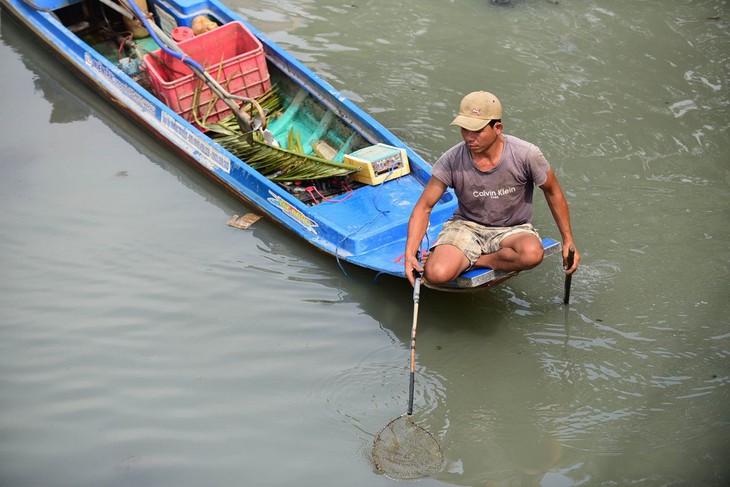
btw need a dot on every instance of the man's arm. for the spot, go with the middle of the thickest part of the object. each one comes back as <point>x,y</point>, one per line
<point>561,213</point>
<point>418,224</point>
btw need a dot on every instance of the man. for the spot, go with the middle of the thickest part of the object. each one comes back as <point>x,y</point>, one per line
<point>493,176</point>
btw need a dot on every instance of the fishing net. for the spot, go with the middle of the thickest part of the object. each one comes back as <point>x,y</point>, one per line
<point>404,450</point>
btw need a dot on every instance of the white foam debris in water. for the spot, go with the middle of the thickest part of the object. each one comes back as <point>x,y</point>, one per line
<point>706,82</point>
<point>690,75</point>
<point>456,466</point>
<point>681,107</point>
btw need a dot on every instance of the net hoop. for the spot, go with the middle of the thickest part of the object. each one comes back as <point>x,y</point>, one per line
<point>403,450</point>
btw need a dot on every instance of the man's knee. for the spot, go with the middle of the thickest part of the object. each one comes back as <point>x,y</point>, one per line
<point>436,273</point>
<point>527,247</point>
<point>532,256</point>
<point>444,264</point>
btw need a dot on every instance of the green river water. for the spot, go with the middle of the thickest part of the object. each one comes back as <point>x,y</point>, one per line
<point>143,342</point>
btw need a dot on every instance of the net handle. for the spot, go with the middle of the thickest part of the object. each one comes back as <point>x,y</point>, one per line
<point>569,277</point>
<point>416,298</point>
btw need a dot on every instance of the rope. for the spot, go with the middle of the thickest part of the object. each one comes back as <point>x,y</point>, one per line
<point>380,213</point>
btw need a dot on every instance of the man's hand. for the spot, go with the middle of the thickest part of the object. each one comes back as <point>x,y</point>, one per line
<point>576,258</point>
<point>411,264</point>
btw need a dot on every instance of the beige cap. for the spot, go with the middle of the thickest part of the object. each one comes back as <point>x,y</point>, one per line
<point>477,109</point>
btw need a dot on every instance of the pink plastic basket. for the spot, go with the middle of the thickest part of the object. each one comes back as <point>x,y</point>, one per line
<point>230,53</point>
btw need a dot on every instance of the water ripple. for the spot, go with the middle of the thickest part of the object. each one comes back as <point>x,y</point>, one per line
<point>371,393</point>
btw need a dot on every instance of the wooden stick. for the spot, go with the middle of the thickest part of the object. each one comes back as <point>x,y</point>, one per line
<point>416,293</point>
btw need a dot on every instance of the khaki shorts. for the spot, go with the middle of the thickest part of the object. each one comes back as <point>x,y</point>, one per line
<point>474,239</point>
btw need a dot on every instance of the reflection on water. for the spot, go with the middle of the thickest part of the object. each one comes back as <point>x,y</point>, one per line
<point>147,343</point>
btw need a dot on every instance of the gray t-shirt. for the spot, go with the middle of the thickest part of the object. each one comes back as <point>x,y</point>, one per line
<point>500,197</point>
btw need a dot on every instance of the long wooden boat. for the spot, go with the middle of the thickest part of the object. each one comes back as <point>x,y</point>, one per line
<point>301,153</point>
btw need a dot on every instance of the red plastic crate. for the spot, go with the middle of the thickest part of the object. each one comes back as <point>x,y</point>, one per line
<point>230,53</point>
